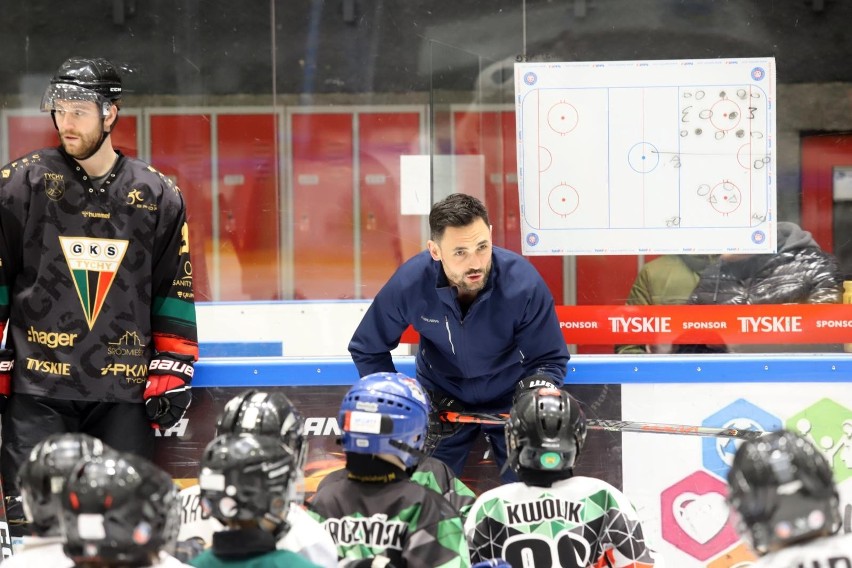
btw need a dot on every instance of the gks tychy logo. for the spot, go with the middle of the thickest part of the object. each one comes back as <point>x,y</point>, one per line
<point>93,264</point>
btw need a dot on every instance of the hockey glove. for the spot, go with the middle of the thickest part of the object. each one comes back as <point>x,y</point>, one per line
<point>167,393</point>
<point>531,383</point>
<point>438,429</point>
<point>7,363</point>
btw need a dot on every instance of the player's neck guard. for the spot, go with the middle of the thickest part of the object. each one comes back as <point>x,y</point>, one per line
<point>543,478</point>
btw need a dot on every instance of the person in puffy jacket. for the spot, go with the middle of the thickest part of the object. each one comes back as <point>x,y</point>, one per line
<point>799,273</point>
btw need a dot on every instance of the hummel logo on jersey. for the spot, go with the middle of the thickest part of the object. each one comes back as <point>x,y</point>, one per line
<point>93,264</point>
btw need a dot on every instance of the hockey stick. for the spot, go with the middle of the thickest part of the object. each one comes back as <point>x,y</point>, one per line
<point>614,425</point>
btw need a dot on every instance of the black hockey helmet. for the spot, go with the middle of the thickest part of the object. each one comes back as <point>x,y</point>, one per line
<point>545,432</point>
<point>247,477</point>
<point>42,476</point>
<point>783,490</point>
<point>84,79</point>
<point>268,414</point>
<point>119,508</point>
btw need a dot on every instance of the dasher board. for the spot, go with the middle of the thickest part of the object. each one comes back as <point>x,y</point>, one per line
<point>647,157</point>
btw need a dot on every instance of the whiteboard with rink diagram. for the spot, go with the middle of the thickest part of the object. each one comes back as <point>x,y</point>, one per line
<point>647,157</point>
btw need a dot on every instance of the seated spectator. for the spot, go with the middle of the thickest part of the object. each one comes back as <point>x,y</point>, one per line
<point>587,519</point>
<point>783,492</point>
<point>799,273</point>
<point>246,484</point>
<point>383,420</point>
<point>667,280</point>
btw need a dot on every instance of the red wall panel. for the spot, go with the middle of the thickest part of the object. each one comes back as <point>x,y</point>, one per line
<point>180,147</point>
<point>819,156</point>
<point>387,238</point>
<point>248,204</point>
<point>323,237</point>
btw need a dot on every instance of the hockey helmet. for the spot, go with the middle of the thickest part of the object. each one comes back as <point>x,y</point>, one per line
<point>42,476</point>
<point>84,79</point>
<point>247,477</point>
<point>119,508</point>
<point>546,431</point>
<point>783,490</point>
<point>385,413</point>
<point>265,413</point>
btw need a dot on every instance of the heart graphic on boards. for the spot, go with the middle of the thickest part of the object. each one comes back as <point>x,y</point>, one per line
<point>701,517</point>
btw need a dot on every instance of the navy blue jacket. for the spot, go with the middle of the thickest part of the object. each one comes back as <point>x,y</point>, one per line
<point>509,332</point>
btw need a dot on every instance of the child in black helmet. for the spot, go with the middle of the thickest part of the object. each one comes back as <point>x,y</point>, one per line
<point>782,489</point>
<point>245,483</point>
<point>550,513</point>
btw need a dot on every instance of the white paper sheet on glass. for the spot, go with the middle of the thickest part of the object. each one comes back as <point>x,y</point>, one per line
<point>645,157</point>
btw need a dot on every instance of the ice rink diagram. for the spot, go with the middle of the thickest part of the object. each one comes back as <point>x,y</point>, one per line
<point>646,157</point>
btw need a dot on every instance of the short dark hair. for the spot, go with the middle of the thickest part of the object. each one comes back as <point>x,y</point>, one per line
<point>455,210</point>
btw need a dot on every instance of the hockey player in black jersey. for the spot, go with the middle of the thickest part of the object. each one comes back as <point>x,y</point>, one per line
<point>782,489</point>
<point>95,283</point>
<point>551,518</point>
<point>376,510</point>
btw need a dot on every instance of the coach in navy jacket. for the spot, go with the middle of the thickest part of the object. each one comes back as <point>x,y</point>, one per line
<point>486,321</point>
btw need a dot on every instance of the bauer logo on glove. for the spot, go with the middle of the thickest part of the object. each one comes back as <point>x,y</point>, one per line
<point>168,392</point>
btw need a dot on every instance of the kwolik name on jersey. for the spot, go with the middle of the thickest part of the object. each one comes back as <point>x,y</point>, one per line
<point>543,510</point>
<point>93,264</point>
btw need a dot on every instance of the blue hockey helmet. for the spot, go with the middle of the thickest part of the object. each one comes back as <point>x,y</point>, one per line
<point>385,413</point>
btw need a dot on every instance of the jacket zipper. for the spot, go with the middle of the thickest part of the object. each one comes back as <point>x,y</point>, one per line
<point>449,334</point>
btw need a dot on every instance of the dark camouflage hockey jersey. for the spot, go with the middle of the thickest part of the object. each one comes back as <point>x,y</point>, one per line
<point>433,474</point>
<point>576,523</point>
<point>93,280</point>
<point>411,525</point>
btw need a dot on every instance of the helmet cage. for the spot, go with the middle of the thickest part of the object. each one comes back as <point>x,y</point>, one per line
<point>385,413</point>
<point>782,490</point>
<point>119,522</point>
<point>42,476</point>
<point>247,477</point>
<point>269,414</point>
<point>545,432</point>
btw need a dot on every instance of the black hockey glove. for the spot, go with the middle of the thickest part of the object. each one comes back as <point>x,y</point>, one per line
<point>167,392</point>
<point>532,383</point>
<point>7,363</point>
<point>439,429</point>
